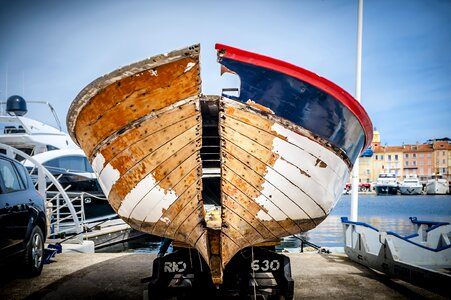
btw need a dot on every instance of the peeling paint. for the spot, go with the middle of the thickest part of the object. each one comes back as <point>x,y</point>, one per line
<point>97,163</point>
<point>304,173</point>
<point>259,106</point>
<point>108,178</point>
<point>189,66</point>
<point>165,220</point>
<point>321,163</point>
<point>261,215</point>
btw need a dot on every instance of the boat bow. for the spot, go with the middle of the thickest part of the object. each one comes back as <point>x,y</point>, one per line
<point>220,173</point>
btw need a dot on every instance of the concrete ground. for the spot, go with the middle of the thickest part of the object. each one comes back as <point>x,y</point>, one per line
<point>118,276</point>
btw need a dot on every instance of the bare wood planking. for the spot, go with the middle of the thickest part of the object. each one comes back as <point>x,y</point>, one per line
<point>189,222</point>
<point>295,164</point>
<point>148,163</point>
<point>168,219</point>
<point>237,220</point>
<point>131,155</point>
<point>160,193</point>
<point>293,160</point>
<point>164,119</point>
<point>229,247</point>
<point>148,131</point>
<point>255,149</point>
<point>269,210</point>
<point>274,227</point>
<point>94,125</point>
<point>239,208</point>
<point>280,195</point>
<point>173,179</point>
<point>292,190</point>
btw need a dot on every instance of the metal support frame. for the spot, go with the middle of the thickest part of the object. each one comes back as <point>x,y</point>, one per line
<point>252,272</point>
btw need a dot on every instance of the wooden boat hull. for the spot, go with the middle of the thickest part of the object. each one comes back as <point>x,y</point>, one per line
<point>163,151</point>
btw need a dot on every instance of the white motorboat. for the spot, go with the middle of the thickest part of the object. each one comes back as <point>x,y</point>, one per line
<point>30,135</point>
<point>411,186</point>
<point>437,185</point>
<point>54,149</point>
<point>386,184</point>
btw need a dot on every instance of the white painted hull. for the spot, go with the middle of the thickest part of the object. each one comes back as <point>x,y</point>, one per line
<point>437,187</point>
<point>410,190</point>
<point>284,181</point>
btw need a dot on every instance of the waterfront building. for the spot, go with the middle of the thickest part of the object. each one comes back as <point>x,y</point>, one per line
<point>442,156</point>
<point>388,159</point>
<point>418,160</point>
<point>422,160</point>
<point>366,169</point>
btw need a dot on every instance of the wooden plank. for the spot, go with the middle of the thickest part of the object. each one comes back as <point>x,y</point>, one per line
<point>239,209</point>
<point>201,246</point>
<point>297,165</point>
<point>276,228</point>
<point>121,106</point>
<point>126,184</point>
<point>166,217</point>
<point>292,190</point>
<point>281,196</point>
<point>229,247</point>
<point>127,181</point>
<point>175,133</point>
<point>236,226</point>
<point>187,225</point>
<point>269,211</point>
<point>170,219</point>
<point>176,180</point>
<point>148,127</point>
<point>266,155</point>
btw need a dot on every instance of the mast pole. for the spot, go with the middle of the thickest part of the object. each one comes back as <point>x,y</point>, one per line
<point>358,77</point>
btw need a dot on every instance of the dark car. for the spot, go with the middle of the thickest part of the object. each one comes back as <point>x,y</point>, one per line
<point>23,223</point>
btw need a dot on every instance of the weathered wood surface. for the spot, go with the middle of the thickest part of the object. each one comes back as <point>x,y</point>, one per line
<point>141,128</point>
<point>273,180</point>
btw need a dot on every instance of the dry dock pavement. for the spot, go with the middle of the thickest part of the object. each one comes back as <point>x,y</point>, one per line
<point>118,276</point>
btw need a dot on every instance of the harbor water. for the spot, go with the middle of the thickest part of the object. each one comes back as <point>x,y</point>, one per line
<point>386,213</point>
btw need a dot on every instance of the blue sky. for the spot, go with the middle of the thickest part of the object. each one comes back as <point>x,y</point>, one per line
<point>50,50</point>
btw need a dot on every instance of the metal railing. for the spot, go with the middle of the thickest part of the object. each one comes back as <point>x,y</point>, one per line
<point>65,211</point>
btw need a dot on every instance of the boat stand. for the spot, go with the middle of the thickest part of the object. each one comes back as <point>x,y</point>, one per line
<point>253,273</point>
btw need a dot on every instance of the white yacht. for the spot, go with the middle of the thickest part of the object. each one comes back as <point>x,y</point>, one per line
<point>54,149</point>
<point>437,185</point>
<point>30,135</point>
<point>386,184</point>
<point>411,186</point>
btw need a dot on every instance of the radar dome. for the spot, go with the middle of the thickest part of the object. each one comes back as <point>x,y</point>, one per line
<point>16,105</point>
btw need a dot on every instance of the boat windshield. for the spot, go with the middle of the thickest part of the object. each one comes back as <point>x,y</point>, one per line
<point>40,114</point>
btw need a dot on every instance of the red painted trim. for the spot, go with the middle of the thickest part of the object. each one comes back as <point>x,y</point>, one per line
<point>302,74</point>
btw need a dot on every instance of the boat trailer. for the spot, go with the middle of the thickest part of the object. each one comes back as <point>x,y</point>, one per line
<point>253,273</point>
